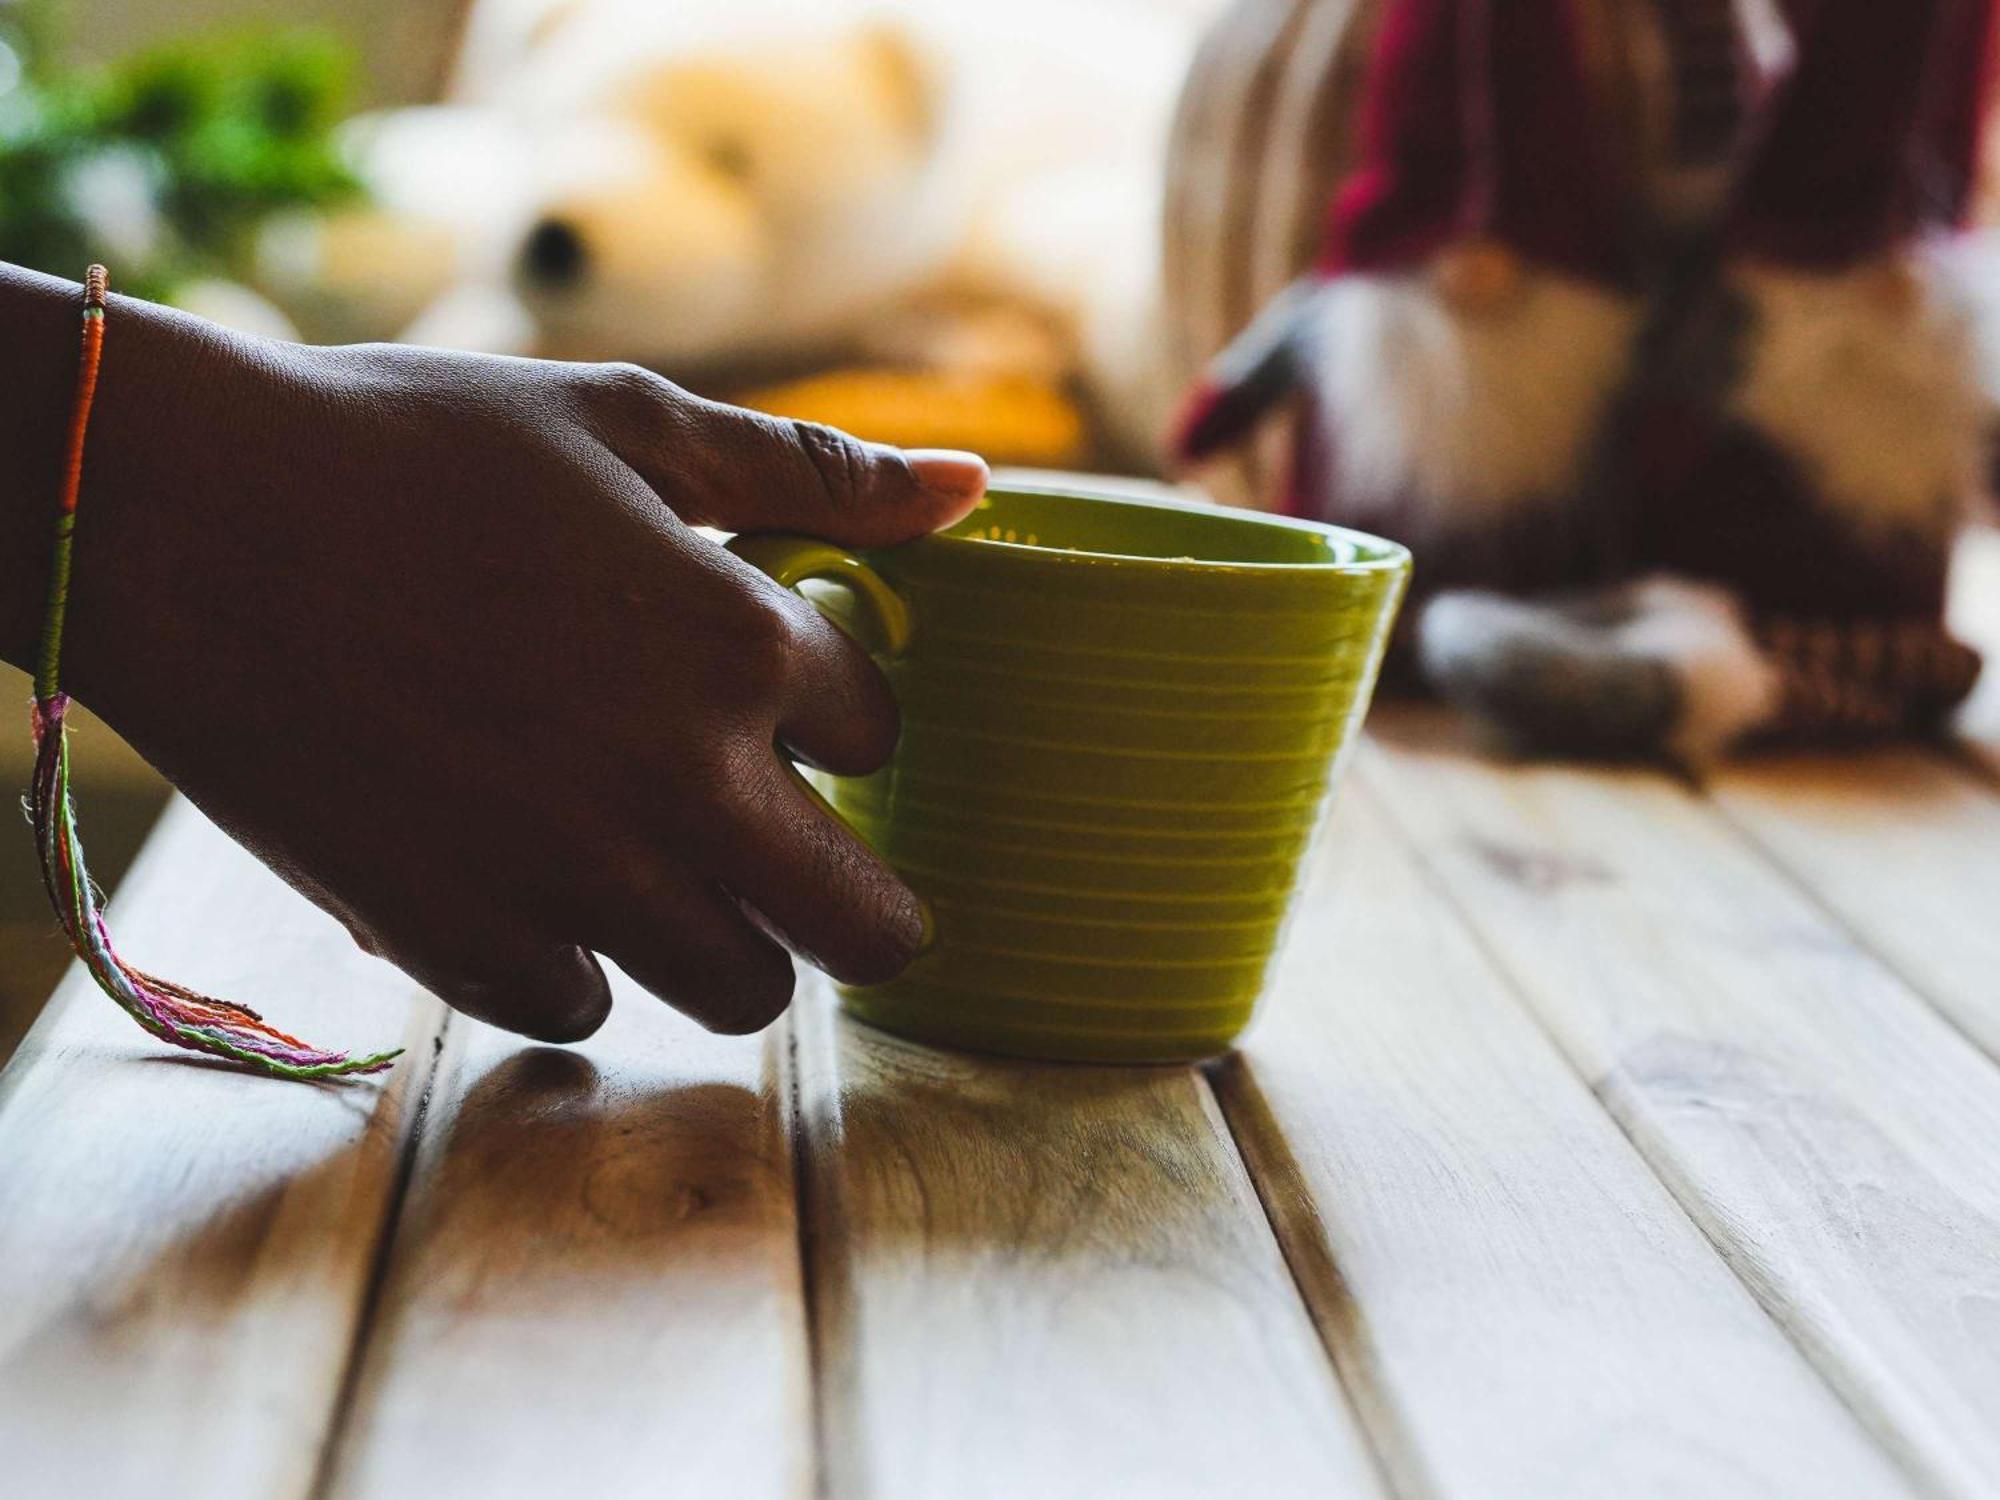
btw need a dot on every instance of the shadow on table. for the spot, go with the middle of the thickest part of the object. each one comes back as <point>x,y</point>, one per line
<point>547,1147</point>
<point>557,1190</point>
<point>893,1142</point>
<point>1034,1161</point>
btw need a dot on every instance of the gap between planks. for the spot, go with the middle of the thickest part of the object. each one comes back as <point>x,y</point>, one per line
<point>405,1159</point>
<point>1823,1125</point>
<point>187,1247</point>
<point>1895,842</point>
<point>1049,1279</point>
<point>371,1300</point>
<point>799,1148</point>
<point>1896,846</point>
<point>1514,1299</point>
<point>595,1286</point>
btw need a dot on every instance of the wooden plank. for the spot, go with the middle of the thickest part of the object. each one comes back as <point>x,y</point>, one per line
<point>1049,1281</point>
<point>187,1248</point>
<point>1209,218</point>
<point>596,1287</point>
<point>1518,1305</point>
<point>1829,1132</point>
<point>1904,848</point>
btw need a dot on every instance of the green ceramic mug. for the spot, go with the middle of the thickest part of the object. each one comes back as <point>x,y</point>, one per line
<point>1122,720</point>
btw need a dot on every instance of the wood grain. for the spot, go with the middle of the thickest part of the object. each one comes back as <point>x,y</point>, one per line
<point>1903,844</point>
<point>1049,1281</point>
<point>1309,144</point>
<point>187,1248</point>
<point>1214,163</point>
<point>1212,157</point>
<point>1517,1303</point>
<point>1904,848</point>
<point>1829,1131</point>
<point>596,1288</point>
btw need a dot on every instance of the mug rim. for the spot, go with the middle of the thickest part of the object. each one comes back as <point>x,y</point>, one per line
<point>1365,553</point>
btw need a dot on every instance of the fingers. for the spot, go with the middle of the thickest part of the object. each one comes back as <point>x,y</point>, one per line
<point>803,679</point>
<point>553,992</point>
<point>691,945</point>
<point>837,711</point>
<point>739,470</point>
<point>685,940</point>
<point>833,900</point>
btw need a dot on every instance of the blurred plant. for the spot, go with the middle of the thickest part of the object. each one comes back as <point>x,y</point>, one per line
<point>165,163</point>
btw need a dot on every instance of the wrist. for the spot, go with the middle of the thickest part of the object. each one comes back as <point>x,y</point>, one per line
<point>41,317</point>
<point>156,395</point>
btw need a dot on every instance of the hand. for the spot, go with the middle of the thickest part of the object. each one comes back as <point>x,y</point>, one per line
<point>433,635</point>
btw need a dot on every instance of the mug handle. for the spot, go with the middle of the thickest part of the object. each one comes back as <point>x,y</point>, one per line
<point>884,625</point>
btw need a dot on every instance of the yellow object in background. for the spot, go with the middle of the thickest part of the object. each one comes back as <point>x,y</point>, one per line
<point>1007,419</point>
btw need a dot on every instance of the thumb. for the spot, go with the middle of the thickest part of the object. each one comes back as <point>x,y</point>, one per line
<point>740,470</point>
<point>802,476</point>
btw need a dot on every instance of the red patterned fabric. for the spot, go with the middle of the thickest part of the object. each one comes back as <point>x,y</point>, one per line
<point>1478,122</point>
<point>1411,194</point>
<point>1871,139</point>
<point>1960,90</point>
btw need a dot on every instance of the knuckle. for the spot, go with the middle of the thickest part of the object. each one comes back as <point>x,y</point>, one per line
<point>839,462</point>
<point>737,765</point>
<point>739,801</point>
<point>626,866</point>
<point>628,389</point>
<point>765,650</point>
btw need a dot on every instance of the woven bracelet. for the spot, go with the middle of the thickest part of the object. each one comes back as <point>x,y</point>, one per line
<point>170,1012</point>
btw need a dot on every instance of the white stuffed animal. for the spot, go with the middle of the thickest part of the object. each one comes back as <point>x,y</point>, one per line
<point>773,182</point>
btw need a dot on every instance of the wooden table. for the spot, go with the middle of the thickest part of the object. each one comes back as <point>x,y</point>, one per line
<point>1603,1136</point>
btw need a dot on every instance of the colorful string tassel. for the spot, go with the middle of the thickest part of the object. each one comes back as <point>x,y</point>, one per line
<point>170,1012</point>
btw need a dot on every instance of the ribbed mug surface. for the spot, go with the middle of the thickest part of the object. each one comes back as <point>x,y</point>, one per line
<point>1122,721</point>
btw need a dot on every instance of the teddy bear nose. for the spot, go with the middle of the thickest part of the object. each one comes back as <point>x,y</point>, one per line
<point>553,254</point>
